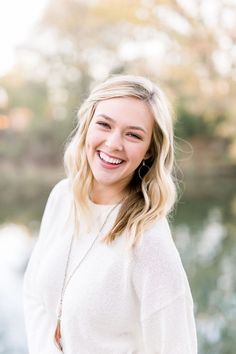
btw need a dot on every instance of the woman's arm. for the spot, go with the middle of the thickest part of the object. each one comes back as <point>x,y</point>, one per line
<point>161,285</point>
<point>171,330</point>
<point>36,319</point>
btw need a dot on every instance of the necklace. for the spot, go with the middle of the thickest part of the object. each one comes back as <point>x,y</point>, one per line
<point>57,334</point>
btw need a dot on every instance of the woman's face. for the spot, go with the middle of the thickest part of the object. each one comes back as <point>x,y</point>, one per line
<point>117,141</point>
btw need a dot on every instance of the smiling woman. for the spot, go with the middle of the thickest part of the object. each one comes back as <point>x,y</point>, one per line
<point>116,146</point>
<point>105,276</point>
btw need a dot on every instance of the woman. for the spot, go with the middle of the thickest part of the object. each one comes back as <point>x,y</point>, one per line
<point>105,276</point>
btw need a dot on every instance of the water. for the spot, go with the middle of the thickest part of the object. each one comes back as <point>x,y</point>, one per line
<point>204,228</point>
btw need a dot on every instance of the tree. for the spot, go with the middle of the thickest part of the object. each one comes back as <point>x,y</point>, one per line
<point>187,46</point>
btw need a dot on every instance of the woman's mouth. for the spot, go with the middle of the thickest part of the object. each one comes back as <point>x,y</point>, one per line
<point>108,159</point>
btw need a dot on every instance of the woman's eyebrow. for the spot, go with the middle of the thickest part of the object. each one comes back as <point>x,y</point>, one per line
<point>135,127</point>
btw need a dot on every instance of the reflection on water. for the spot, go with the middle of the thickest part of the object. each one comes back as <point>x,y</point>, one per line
<point>204,229</point>
<point>211,276</point>
<point>15,248</point>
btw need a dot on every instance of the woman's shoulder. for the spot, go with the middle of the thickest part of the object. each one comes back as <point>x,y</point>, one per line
<point>58,205</point>
<point>63,186</point>
<point>157,236</point>
<point>157,261</point>
<point>157,246</point>
<point>60,196</point>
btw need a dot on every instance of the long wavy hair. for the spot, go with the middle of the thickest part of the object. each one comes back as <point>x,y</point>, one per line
<point>153,195</point>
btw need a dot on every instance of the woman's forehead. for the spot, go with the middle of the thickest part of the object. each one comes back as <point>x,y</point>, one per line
<point>130,110</point>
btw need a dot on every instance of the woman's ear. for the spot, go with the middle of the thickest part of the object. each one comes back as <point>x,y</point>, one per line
<point>148,154</point>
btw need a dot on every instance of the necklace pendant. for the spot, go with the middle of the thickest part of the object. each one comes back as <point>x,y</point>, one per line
<point>57,335</point>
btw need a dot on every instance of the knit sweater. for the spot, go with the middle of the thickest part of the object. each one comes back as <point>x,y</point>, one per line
<point>114,303</point>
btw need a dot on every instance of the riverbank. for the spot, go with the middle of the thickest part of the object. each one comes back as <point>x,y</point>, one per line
<point>202,157</point>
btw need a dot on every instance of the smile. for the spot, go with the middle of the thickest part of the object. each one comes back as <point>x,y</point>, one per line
<point>111,160</point>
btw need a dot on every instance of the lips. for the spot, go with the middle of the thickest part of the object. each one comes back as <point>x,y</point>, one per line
<point>108,159</point>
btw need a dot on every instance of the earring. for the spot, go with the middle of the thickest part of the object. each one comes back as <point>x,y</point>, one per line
<point>145,170</point>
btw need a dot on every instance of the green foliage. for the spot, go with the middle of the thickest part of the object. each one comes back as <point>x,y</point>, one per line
<point>189,125</point>
<point>25,93</point>
<point>42,144</point>
<point>93,40</point>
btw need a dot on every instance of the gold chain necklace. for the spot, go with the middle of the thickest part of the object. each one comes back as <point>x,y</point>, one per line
<point>57,334</point>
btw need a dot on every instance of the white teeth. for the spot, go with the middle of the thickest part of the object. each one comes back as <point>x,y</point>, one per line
<point>106,158</point>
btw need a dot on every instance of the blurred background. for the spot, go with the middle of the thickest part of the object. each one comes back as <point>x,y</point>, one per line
<point>52,51</point>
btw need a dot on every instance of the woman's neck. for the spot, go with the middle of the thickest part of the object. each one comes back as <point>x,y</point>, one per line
<point>106,195</point>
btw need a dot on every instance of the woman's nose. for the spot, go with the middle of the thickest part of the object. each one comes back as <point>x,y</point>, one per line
<point>114,141</point>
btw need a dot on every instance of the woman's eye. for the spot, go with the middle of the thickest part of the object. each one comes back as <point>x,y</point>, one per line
<point>103,124</point>
<point>133,135</point>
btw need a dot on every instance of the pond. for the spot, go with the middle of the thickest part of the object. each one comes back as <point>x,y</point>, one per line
<point>204,229</point>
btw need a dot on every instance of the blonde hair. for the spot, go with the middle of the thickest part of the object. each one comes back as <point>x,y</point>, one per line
<point>149,198</point>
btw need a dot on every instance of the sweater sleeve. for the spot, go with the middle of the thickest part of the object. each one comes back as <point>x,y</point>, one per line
<point>164,296</point>
<point>36,319</point>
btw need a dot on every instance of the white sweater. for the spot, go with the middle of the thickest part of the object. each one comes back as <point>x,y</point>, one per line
<point>114,304</point>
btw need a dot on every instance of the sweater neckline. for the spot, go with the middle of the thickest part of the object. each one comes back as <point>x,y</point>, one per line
<point>102,206</point>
